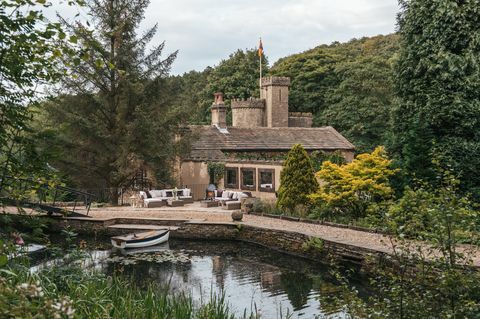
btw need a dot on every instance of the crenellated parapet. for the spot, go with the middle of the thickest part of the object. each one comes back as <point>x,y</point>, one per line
<point>275,81</point>
<point>248,113</point>
<point>250,103</point>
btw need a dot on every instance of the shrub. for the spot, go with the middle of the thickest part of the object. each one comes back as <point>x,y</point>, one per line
<point>430,212</point>
<point>350,189</point>
<point>297,180</point>
<point>266,207</point>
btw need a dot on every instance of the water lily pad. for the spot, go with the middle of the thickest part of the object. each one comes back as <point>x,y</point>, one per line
<point>156,257</point>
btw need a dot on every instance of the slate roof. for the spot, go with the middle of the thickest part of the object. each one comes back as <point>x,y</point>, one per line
<point>208,142</point>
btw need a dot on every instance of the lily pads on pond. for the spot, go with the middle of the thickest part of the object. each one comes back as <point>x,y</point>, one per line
<point>156,257</point>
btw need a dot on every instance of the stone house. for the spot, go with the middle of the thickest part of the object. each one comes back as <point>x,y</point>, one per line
<point>252,150</point>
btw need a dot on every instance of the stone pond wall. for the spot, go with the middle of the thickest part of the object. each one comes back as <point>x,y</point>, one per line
<point>286,241</point>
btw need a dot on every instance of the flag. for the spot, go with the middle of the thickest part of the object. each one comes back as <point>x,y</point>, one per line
<point>260,48</point>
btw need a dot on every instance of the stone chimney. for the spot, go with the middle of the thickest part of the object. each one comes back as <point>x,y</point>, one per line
<point>219,111</point>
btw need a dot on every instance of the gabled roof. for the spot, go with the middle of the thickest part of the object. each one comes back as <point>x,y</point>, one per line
<point>209,142</point>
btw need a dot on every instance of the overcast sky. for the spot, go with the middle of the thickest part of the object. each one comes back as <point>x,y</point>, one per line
<point>207,31</point>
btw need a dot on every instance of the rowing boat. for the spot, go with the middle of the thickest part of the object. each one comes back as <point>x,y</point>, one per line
<point>139,240</point>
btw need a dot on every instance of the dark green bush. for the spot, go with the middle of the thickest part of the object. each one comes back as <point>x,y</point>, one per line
<point>297,180</point>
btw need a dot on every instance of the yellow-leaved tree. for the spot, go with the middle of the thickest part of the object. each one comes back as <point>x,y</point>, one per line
<point>349,189</point>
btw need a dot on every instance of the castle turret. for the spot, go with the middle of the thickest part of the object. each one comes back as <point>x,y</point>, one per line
<point>248,113</point>
<point>275,92</point>
<point>219,111</point>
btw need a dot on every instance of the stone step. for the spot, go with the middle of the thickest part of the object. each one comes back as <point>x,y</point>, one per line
<point>141,227</point>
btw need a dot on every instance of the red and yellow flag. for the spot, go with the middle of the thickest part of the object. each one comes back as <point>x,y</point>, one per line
<point>260,48</point>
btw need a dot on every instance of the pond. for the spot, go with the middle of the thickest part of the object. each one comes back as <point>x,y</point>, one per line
<point>251,277</point>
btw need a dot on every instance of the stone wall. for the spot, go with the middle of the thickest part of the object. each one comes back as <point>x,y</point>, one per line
<point>248,113</point>
<point>290,242</point>
<point>194,175</point>
<point>298,119</point>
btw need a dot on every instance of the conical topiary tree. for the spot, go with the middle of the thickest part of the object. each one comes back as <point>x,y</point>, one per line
<point>297,179</point>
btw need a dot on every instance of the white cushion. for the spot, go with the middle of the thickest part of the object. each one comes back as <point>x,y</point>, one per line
<point>242,195</point>
<point>226,194</point>
<point>186,192</point>
<point>235,195</point>
<point>143,194</point>
<point>152,200</point>
<point>156,193</point>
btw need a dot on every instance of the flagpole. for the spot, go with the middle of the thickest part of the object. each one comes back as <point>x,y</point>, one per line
<point>260,56</point>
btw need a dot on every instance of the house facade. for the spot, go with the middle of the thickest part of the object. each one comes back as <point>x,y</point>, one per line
<point>253,149</point>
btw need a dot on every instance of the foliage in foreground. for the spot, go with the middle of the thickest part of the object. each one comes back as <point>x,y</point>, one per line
<point>427,213</point>
<point>72,292</point>
<point>424,279</point>
<point>297,179</point>
<point>28,60</point>
<point>433,275</point>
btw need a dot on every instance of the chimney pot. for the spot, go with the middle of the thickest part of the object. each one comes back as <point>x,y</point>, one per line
<point>218,98</point>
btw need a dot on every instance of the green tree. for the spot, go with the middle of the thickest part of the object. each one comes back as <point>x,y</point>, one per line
<point>316,72</point>
<point>438,84</point>
<point>238,76</point>
<point>28,60</point>
<point>116,115</point>
<point>297,180</point>
<point>194,95</point>
<point>359,106</point>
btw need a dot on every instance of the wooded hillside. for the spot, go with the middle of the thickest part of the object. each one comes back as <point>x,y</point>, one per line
<point>345,85</point>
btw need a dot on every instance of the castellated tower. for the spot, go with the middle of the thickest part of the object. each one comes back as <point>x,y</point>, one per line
<point>270,110</point>
<point>248,113</point>
<point>275,93</point>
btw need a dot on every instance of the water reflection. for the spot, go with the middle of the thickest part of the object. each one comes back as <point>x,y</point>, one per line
<point>298,287</point>
<point>252,277</point>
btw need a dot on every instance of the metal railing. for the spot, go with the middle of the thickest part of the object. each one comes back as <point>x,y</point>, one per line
<point>27,192</point>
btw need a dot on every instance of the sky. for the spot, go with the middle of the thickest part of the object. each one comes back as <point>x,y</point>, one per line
<point>207,31</point>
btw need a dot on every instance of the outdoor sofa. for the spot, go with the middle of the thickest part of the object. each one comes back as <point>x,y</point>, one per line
<point>159,198</point>
<point>229,199</point>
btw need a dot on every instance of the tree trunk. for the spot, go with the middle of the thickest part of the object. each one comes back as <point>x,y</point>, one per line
<point>114,196</point>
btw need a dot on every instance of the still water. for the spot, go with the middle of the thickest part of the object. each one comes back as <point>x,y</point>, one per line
<point>252,278</point>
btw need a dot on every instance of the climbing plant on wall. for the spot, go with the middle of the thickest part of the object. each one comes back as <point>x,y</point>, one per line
<point>216,171</point>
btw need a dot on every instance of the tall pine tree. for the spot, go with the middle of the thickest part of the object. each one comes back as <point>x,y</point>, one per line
<point>115,115</point>
<point>438,84</point>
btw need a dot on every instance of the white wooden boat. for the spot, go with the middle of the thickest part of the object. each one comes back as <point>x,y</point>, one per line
<point>139,240</point>
<point>147,250</point>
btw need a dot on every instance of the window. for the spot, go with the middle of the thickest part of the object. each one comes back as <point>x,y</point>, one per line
<point>231,177</point>
<point>248,178</point>
<point>266,180</point>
